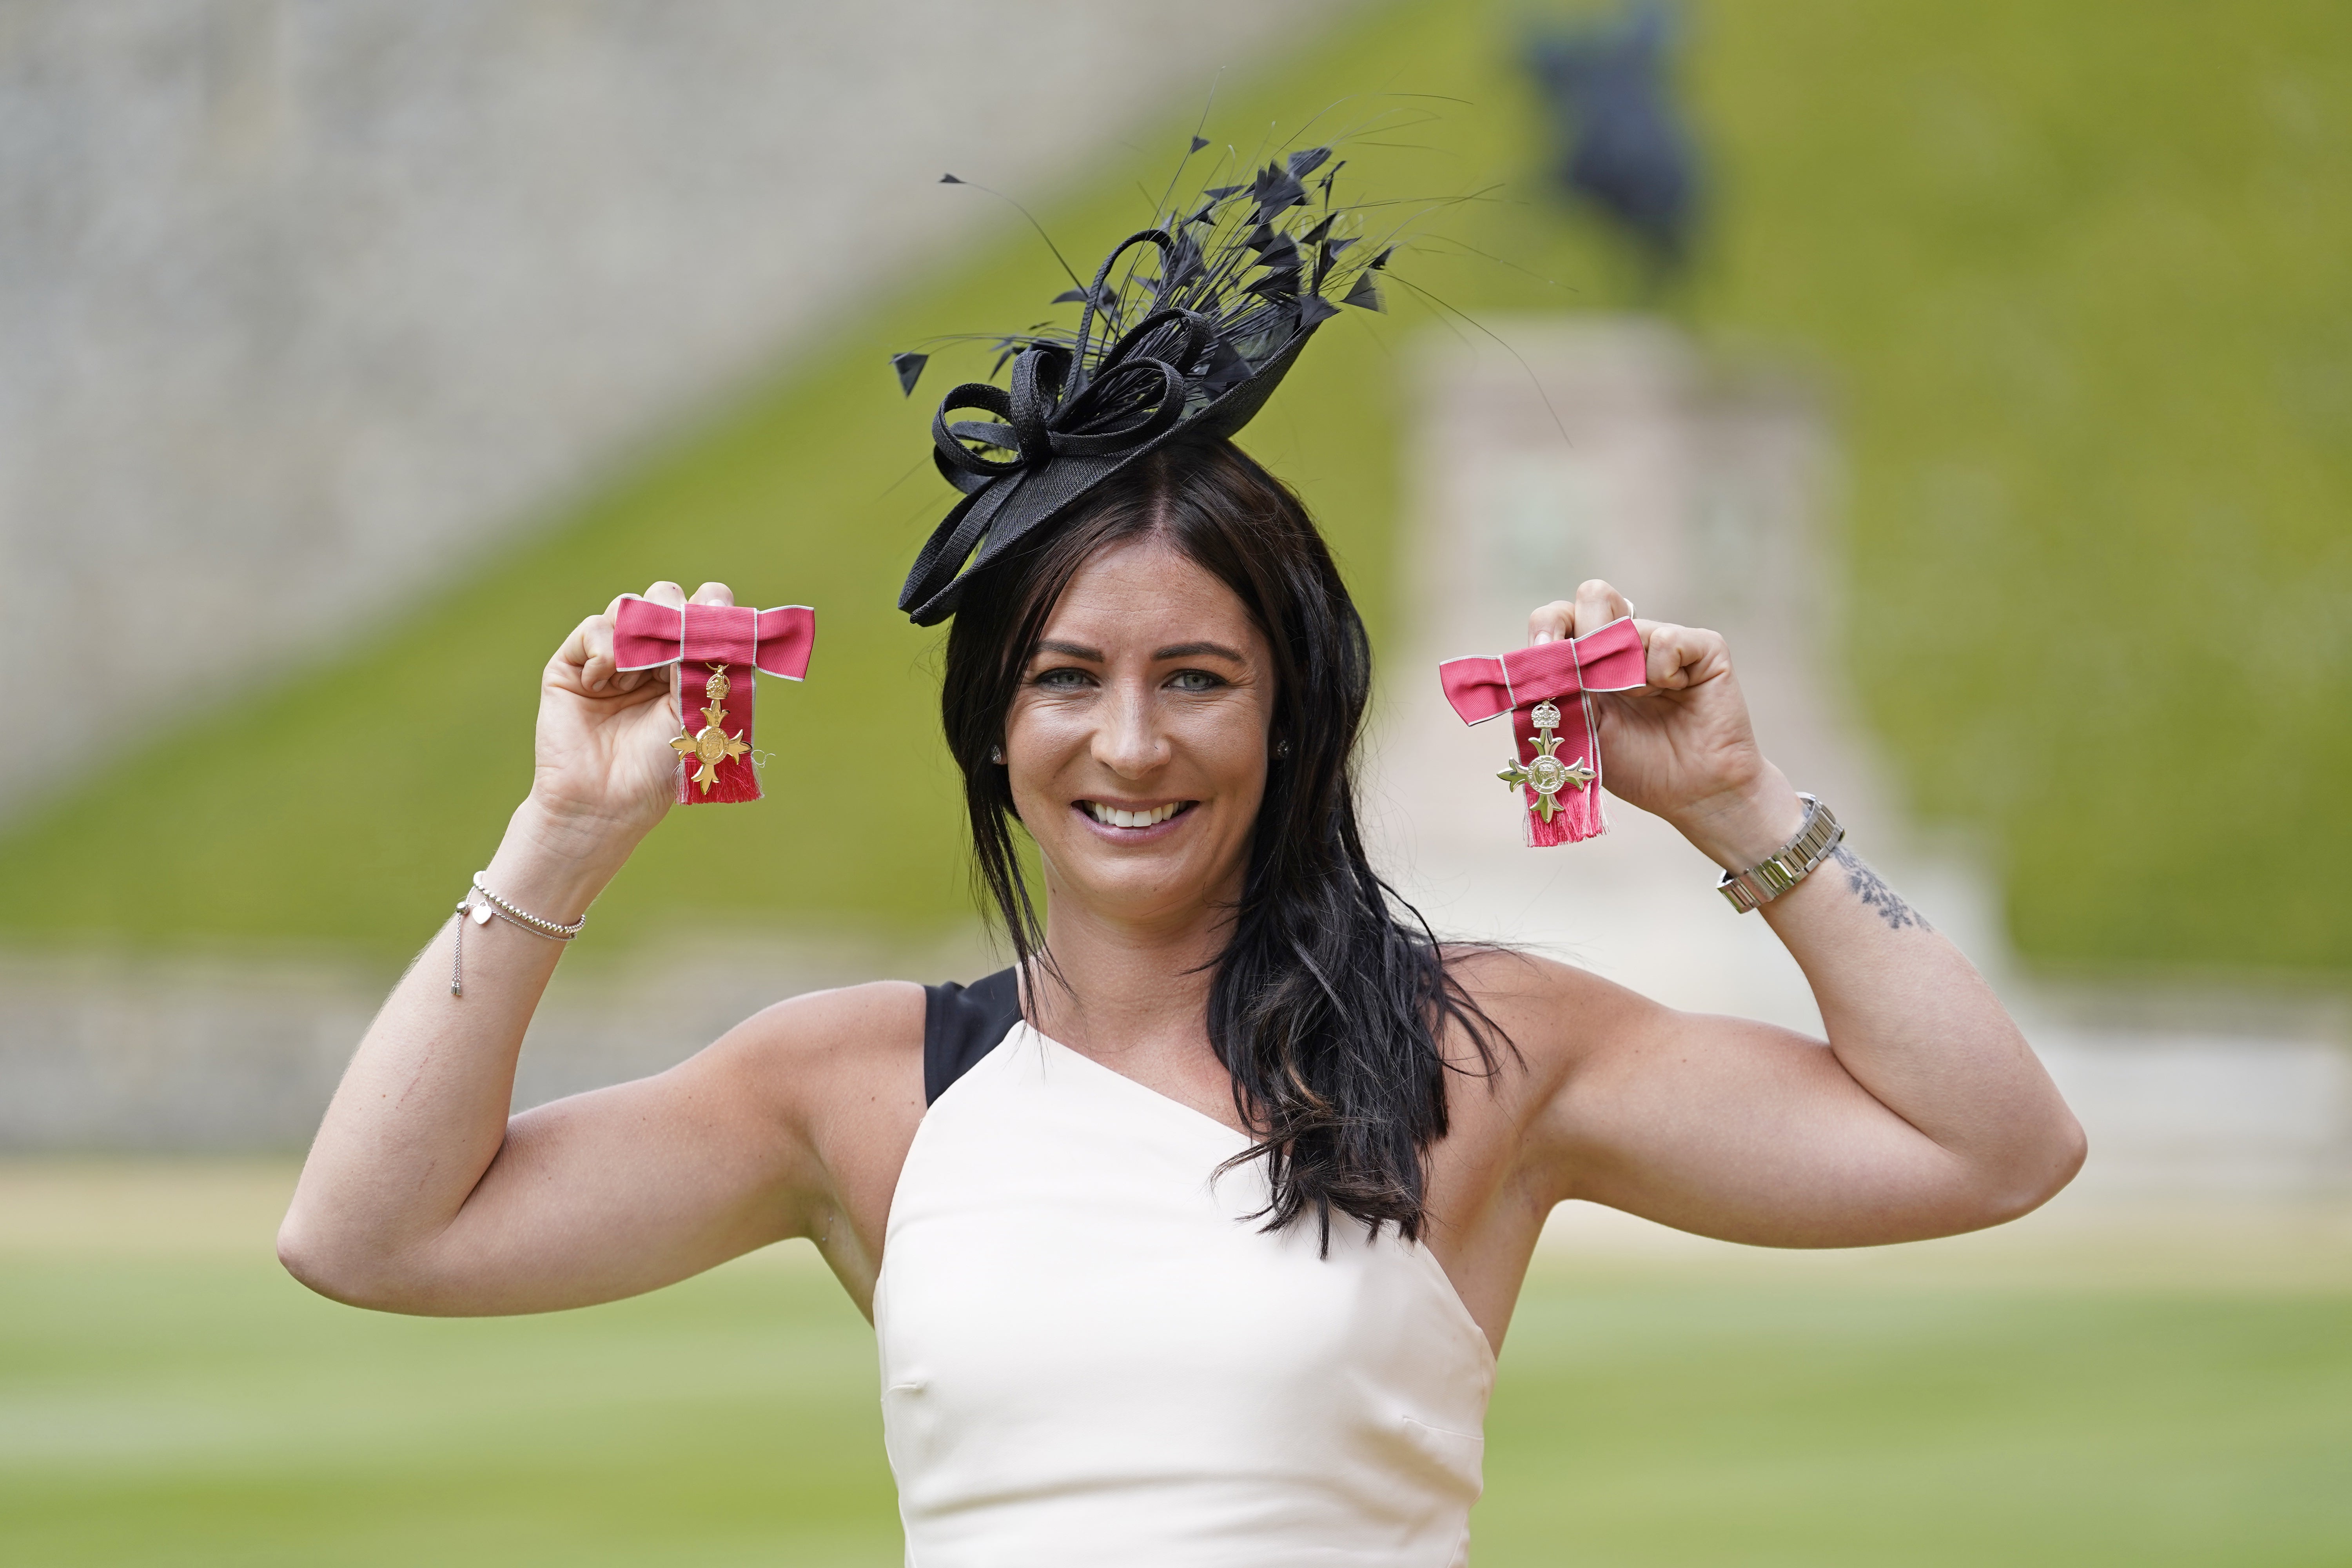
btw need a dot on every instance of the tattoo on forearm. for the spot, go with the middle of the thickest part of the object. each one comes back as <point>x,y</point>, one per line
<point>1872,889</point>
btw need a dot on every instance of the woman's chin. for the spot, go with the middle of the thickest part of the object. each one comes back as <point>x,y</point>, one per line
<point>1149,875</point>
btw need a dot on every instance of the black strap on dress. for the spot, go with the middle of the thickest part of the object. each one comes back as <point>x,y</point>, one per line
<point>963,1024</point>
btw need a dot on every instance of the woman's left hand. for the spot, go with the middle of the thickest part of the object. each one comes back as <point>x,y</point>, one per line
<point>1682,747</point>
<point>1928,1114</point>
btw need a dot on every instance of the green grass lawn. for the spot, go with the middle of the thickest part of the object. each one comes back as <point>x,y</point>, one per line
<point>2073,272</point>
<point>167,1396</point>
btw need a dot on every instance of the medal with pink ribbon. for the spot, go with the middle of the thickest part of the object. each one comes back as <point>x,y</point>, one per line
<point>717,648</point>
<point>1556,764</point>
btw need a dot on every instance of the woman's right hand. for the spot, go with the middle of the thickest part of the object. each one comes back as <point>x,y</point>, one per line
<point>604,762</point>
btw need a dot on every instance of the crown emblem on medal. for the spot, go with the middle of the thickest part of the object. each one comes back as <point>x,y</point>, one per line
<point>1545,772</point>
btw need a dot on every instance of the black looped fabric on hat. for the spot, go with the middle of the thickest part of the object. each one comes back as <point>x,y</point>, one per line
<point>1036,383</point>
<point>1214,331</point>
<point>963,468</point>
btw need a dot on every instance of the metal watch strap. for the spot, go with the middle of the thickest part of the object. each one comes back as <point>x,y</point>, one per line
<point>1776,874</point>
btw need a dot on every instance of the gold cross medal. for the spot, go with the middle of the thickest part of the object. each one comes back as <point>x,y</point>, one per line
<point>1545,772</point>
<point>714,745</point>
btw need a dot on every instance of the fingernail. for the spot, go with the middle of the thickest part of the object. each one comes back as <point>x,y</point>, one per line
<point>1543,636</point>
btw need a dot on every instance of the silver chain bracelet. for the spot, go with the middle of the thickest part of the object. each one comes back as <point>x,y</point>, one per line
<point>480,905</point>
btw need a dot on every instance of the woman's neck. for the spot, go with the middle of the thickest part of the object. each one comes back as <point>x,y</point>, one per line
<point>1126,989</point>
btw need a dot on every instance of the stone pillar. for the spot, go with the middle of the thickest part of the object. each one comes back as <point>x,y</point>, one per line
<point>1614,448</point>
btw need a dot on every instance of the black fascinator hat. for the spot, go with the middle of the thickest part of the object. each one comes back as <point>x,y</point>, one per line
<point>1208,314</point>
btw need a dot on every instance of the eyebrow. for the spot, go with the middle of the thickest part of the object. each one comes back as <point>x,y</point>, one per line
<point>1195,650</point>
<point>1173,650</point>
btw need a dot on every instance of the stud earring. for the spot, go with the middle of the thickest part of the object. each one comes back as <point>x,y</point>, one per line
<point>996,755</point>
<point>1281,751</point>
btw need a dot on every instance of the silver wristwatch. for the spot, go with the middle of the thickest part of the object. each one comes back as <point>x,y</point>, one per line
<point>1776,874</point>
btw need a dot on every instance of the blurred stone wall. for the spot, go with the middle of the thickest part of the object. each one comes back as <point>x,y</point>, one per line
<point>305,304</point>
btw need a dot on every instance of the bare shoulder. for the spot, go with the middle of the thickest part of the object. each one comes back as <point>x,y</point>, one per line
<point>1541,1002</point>
<point>807,1050</point>
<point>832,1085</point>
<point>1492,1179</point>
<point>1553,1015</point>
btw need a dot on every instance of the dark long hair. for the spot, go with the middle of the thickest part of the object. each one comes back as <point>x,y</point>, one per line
<point>1331,997</point>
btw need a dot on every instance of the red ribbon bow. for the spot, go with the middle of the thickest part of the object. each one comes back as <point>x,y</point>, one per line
<point>1609,659</point>
<point>704,641</point>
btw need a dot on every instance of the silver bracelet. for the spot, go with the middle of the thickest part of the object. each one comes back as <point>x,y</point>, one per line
<point>1777,873</point>
<point>480,905</point>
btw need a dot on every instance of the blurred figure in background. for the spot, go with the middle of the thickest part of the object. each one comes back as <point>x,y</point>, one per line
<point>1621,144</point>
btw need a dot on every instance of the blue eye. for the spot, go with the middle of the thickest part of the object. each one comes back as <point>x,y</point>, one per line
<point>1062,679</point>
<point>1195,680</point>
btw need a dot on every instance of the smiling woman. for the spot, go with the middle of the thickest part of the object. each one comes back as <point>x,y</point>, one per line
<point>1144,673</point>
<point>1190,1237</point>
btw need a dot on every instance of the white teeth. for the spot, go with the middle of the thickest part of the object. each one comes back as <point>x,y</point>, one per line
<point>1112,816</point>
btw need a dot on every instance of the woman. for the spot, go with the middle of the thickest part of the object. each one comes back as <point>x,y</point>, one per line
<point>1192,1238</point>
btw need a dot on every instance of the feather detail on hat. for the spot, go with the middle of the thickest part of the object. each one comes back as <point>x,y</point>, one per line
<point>1184,331</point>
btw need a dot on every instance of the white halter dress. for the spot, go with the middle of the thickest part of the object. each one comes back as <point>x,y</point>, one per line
<point>1092,1359</point>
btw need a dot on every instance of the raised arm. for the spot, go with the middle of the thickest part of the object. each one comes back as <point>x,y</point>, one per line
<point>1924,1113</point>
<point>422,1195</point>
